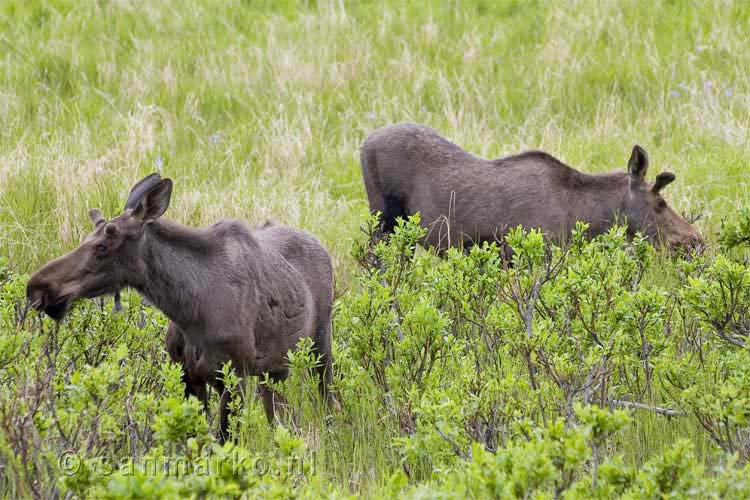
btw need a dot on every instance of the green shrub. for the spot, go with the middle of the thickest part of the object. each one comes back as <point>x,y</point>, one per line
<point>533,370</point>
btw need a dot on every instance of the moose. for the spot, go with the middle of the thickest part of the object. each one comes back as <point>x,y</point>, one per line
<point>231,293</point>
<point>465,200</point>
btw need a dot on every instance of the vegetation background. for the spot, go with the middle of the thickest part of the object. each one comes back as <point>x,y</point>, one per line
<point>256,109</point>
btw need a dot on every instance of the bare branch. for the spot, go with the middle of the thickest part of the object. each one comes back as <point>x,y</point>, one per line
<point>668,412</point>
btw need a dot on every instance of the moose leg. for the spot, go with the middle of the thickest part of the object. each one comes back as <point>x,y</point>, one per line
<point>117,307</point>
<point>224,410</point>
<point>325,368</point>
<point>194,384</point>
<point>272,400</point>
<point>199,390</point>
<point>224,416</point>
<point>187,356</point>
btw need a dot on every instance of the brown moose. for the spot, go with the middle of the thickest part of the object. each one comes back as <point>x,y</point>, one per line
<point>463,199</point>
<point>231,294</point>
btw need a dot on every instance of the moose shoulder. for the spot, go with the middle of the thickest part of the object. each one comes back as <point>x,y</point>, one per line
<point>231,294</point>
<point>464,199</point>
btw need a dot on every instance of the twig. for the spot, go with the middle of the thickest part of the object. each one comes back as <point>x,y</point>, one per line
<point>669,412</point>
<point>452,442</point>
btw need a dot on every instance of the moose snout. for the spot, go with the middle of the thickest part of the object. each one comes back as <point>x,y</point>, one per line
<point>42,297</point>
<point>37,295</point>
<point>691,242</point>
<point>695,243</point>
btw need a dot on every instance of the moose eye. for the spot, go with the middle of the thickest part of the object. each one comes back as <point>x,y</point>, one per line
<point>101,250</point>
<point>662,204</point>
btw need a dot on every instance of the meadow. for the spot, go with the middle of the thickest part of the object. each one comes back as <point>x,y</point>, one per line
<point>256,110</point>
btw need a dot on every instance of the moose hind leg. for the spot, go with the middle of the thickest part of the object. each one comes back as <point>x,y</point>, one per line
<point>325,368</point>
<point>393,208</point>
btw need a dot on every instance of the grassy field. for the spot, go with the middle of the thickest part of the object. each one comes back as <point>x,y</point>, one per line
<point>256,110</point>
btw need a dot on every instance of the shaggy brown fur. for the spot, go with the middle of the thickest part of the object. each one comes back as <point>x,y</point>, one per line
<point>463,199</point>
<point>232,294</point>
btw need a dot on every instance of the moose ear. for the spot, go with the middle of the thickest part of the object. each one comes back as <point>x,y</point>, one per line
<point>140,189</point>
<point>662,180</point>
<point>155,202</point>
<point>96,217</point>
<point>637,166</point>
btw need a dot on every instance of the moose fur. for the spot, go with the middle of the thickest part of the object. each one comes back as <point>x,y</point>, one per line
<point>463,199</point>
<point>231,293</point>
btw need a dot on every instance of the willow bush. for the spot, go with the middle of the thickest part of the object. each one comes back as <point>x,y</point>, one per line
<point>509,371</point>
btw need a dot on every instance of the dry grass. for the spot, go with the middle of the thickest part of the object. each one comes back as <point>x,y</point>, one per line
<point>257,111</point>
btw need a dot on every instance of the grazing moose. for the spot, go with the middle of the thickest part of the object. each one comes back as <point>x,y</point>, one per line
<point>231,294</point>
<point>463,199</point>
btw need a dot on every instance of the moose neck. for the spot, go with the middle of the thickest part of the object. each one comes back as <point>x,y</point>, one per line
<point>600,200</point>
<point>176,269</point>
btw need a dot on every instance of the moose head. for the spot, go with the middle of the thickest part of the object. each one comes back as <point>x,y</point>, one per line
<point>107,258</point>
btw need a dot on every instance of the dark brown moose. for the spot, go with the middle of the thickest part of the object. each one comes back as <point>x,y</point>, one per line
<point>463,199</point>
<point>231,294</point>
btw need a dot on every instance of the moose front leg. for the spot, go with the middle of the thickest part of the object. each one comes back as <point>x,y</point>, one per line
<point>187,356</point>
<point>271,399</point>
<point>117,307</point>
<point>224,407</point>
<point>272,402</point>
<point>224,416</point>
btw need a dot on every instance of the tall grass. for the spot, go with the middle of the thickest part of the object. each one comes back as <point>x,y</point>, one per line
<point>257,109</point>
